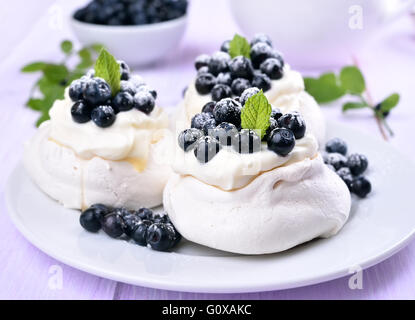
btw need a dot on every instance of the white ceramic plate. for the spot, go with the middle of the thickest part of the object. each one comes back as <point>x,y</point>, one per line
<point>378,227</point>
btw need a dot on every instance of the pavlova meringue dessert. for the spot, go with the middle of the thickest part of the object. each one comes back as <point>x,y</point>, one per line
<point>107,142</point>
<point>248,179</point>
<point>241,65</point>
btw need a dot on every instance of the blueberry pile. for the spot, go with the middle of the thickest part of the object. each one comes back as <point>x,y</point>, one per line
<point>219,126</point>
<point>142,226</point>
<point>93,98</point>
<point>224,77</point>
<point>131,12</point>
<point>349,168</point>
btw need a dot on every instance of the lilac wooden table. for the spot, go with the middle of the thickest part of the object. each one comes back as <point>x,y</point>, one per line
<point>26,273</point>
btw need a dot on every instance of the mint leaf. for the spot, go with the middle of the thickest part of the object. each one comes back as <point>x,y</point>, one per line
<point>56,72</point>
<point>324,89</point>
<point>390,102</point>
<point>108,68</point>
<point>256,113</point>
<point>34,67</point>
<point>35,104</point>
<point>239,46</point>
<point>352,80</point>
<point>354,105</point>
<point>66,46</point>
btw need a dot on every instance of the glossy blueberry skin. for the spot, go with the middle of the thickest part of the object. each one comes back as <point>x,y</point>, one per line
<point>337,160</point>
<point>248,141</point>
<point>261,37</point>
<point>144,101</point>
<point>262,81</point>
<point>273,124</point>
<point>103,116</point>
<point>357,163</point>
<point>209,107</point>
<point>205,83</point>
<point>346,176</point>
<point>97,92</point>
<point>145,214</point>
<point>202,61</point>
<point>248,93</point>
<point>101,209</point>
<point>199,120</point>
<point>281,141</point>
<point>272,68</point>
<point>221,91</point>
<point>295,122</point>
<point>130,220</point>
<point>361,187</point>
<point>123,101</point>
<point>76,90</point>
<point>241,67</point>
<point>239,85</point>
<point>188,138</point>
<point>81,112</point>
<point>336,145</point>
<point>226,133</point>
<point>206,149</point>
<point>276,113</point>
<point>113,225</point>
<point>90,220</point>
<point>160,237</point>
<point>228,110</point>
<point>139,234</point>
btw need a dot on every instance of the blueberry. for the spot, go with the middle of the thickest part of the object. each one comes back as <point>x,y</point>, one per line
<point>128,86</point>
<point>145,214</point>
<point>295,122</point>
<point>113,225</point>
<point>123,101</point>
<point>144,101</point>
<point>161,218</point>
<point>273,124</point>
<point>261,38</point>
<point>97,91</point>
<point>225,133</point>
<point>261,52</point>
<point>228,110</point>
<point>205,83</point>
<point>139,234</point>
<point>76,90</point>
<point>225,46</point>
<point>148,89</point>
<point>124,70</point>
<point>337,160</point>
<point>219,63</point>
<point>248,141</point>
<point>281,141</point>
<point>248,93</point>
<point>161,237</point>
<point>198,120</point>
<point>131,221</point>
<point>188,138</point>
<point>103,116</point>
<point>262,81</point>
<point>206,149</point>
<point>203,70</point>
<point>276,113</point>
<point>241,67</point>
<point>209,125</point>
<point>272,68</point>
<point>224,78</point>
<point>135,80</point>
<point>90,220</point>
<point>357,163</point>
<point>239,85</point>
<point>346,176</point>
<point>221,91</point>
<point>336,145</point>
<point>101,209</point>
<point>361,187</point>
<point>81,112</point>
<point>208,107</point>
<point>202,61</point>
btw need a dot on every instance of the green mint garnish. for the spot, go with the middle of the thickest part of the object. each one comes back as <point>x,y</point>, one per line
<point>108,69</point>
<point>256,114</point>
<point>239,46</point>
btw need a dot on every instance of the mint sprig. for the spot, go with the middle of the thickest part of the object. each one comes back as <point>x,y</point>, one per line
<point>350,82</point>
<point>239,46</point>
<point>256,113</point>
<point>57,76</point>
<point>107,68</point>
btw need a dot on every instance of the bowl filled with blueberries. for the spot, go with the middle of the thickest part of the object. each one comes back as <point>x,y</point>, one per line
<point>140,32</point>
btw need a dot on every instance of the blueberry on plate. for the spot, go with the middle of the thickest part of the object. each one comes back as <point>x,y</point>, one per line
<point>273,124</point>
<point>198,120</point>
<point>336,145</point>
<point>124,70</point>
<point>131,220</point>
<point>228,110</point>
<point>239,85</point>
<point>101,209</point>
<point>361,187</point>
<point>221,91</point>
<point>81,112</point>
<point>295,122</point>
<point>103,116</point>
<point>248,93</point>
<point>113,225</point>
<point>272,68</point>
<point>281,141</point>
<point>226,133</point>
<point>202,61</point>
<point>90,220</point>
<point>144,101</point>
<point>337,160</point>
<point>225,46</point>
<point>261,38</point>
<point>139,234</point>
<point>219,62</point>
<point>208,107</point>
<point>97,91</point>
<point>206,149</point>
<point>145,214</point>
<point>224,78</point>
<point>276,113</point>
<point>205,83</point>
<point>248,141</point>
<point>160,237</point>
<point>345,174</point>
<point>357,163</point>
<point>188,138</point>
<point>76,90</point>
<point>241,67</point>
<point>123,101</point>
<point>261,81</point>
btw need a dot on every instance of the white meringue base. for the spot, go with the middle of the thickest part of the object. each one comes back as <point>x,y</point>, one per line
<point>278,210</point>
<point>78,183</point>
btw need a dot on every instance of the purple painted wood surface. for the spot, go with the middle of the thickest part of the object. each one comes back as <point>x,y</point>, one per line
<point>26,273</point>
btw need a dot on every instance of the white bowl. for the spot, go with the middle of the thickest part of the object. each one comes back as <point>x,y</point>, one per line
<point>136,45</point>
